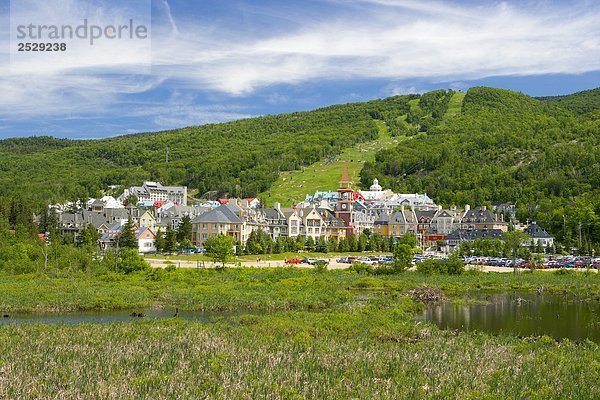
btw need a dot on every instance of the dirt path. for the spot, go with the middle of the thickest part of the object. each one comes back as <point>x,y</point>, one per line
<point>182,263</point>
<point>333,264</point>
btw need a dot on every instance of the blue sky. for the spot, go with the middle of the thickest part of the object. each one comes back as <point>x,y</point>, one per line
<point>214,60</point>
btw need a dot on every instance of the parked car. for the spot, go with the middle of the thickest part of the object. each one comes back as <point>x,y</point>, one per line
<point>293,261</point>
<point>310,261</point>
<point>366,260</point>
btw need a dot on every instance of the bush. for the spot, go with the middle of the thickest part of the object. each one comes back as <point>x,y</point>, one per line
<point>130,261</point>
<point>449,266</point>
<point>321,266</point>
<point>361,268</point>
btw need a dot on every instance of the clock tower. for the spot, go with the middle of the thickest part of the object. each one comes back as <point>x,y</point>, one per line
<point>345,201</point>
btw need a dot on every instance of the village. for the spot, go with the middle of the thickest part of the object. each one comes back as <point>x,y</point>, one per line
<point>323,217</point>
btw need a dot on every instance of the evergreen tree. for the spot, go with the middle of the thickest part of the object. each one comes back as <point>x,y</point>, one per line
<point>363,240</point>
<point>253,245</point>
<point>309,244</point>
<point>332,245</point>
<point>170,239</point>
<point>352,243</point>
<point>184,230</point>
<point>160,242</point>
<point>321,245</point>
<point>126,238</point>
<point>279,246</point>
<point>89,236</point>
<point>299,244</point>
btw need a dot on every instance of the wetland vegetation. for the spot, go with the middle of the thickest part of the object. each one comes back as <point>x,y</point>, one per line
<point>293,333</point>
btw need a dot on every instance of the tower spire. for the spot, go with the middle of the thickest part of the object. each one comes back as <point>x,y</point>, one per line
<point>345,175</point>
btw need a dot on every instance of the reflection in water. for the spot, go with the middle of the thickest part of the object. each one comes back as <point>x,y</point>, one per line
<point>525,314</point>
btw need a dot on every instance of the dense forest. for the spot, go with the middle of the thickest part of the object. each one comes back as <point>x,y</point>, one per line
<point>579,103</point>
<point>240,158</point>
<point>508,147</point>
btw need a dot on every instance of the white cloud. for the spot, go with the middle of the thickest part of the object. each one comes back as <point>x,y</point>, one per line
<point>409,40</point>
<point>389,39</point>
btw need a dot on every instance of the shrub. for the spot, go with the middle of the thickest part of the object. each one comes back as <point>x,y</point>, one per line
<point>449,266</point>
<point>130,261</point>
<point>361,268</point>
<point>321,266</point>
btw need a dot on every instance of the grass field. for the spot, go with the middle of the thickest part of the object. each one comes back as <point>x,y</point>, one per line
<point>293,186</point>
<point>361,342</point>
<point>455,105</point>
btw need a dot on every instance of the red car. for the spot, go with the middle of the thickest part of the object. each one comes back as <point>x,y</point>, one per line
<point>293,261</point>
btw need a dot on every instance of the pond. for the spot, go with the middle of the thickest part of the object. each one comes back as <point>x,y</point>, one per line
<point>519,313</point>
<point>106,317</point>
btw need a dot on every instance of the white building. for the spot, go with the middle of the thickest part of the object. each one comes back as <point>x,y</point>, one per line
<point>151,192</point>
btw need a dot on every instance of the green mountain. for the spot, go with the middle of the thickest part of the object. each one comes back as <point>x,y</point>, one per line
<point>507,147</point>
<point>579,103</point>
<point>483,146</point>
<point>241,158</point>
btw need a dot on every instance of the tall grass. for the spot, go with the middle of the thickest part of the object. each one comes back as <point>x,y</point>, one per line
<point>291,355</point>
<point>252,288</point>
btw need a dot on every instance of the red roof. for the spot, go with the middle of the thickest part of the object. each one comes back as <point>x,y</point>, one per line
<point>223,201</point>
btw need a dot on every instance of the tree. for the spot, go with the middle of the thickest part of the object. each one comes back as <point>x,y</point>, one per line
<point>131,200</point>
<point>185,244</point>
<point>170,239</point>
<point>48,221</point>
<point>299,244</point>
<point>126,237</point>
<point>513,242</point>
<point>129,261</point>
<point>160,242</point>
<point>220,248</point>
<point>309,244</point>
<point>403,255</point>
<point>279,246</point>
<point>321,245</point>
<point>408,239</point>
<point>184,230</point>
<point>89,236</point>
<point>253,245</point>
<point>363,240</point>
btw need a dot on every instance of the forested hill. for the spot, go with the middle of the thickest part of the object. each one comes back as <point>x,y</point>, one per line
<point>507,147</point>
<point>579,103</point>
<point>241,158</point>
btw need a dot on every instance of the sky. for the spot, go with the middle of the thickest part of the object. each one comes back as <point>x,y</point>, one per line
<point>209,61</point>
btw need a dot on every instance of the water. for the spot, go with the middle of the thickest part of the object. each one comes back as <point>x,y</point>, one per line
<point>523,314</point>
<point>107,317</point>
